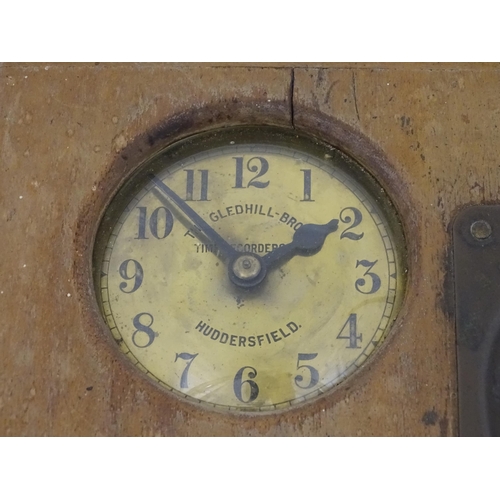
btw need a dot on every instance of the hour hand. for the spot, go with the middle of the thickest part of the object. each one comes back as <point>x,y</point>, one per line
<point>248,270</point>
<point>224,248</point>
<point>307,240</point>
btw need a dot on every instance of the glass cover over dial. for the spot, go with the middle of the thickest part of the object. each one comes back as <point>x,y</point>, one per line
<point>249,269</point>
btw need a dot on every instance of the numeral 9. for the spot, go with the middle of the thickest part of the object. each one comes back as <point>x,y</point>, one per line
<point>137,275</point>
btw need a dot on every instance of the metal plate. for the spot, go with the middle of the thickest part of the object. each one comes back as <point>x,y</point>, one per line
<point>477,286</point>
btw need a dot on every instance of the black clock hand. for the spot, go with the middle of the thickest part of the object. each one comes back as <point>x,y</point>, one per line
<point>248,270</point>
<point>224,248</point>
<point>307,240</point>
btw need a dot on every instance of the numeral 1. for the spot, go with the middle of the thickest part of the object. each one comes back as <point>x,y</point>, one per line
<point>142,223</point>
<point>190,185</point>
<point>307,186</point>
<point>239,172</point>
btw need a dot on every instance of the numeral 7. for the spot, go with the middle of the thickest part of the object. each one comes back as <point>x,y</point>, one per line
<point>189,358</point>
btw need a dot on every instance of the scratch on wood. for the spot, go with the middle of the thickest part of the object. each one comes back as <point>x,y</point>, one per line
<point>329,91</point>
<point>354,91</point>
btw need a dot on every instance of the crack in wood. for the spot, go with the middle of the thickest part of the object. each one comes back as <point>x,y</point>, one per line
<point>354,92</point>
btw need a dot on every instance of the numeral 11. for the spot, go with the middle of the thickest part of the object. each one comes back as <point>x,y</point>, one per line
<point>190,185</point>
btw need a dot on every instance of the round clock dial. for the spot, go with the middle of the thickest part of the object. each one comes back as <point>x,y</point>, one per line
<point>249,269</point>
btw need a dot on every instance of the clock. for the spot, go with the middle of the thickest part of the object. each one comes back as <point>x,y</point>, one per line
<point>249,269</point>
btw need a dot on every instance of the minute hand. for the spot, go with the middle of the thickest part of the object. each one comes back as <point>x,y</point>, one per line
<point>225,249</point>
<point>307,240</point>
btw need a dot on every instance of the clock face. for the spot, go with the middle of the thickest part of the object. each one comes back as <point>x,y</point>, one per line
<point>249,270</point>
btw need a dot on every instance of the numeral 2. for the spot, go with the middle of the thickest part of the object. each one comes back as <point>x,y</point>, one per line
<point>347,219</point>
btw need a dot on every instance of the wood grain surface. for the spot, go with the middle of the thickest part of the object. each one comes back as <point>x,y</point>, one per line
<point>69,136</point>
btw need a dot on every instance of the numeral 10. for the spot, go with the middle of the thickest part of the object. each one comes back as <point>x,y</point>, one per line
<point>161,223</point>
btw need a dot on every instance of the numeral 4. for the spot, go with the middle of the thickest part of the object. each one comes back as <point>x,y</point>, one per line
<point>351,332</point>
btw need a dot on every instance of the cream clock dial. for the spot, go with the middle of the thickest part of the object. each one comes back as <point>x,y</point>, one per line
<point>249,269</point>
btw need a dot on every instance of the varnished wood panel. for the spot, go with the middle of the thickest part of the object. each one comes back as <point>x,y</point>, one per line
<point>71,133</point>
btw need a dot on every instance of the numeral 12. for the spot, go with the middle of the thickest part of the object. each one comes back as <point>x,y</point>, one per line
<point>260,170</point>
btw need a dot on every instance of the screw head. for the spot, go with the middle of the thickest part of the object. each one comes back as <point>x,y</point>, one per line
<point>480,230</point>
<point>246,267</point>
